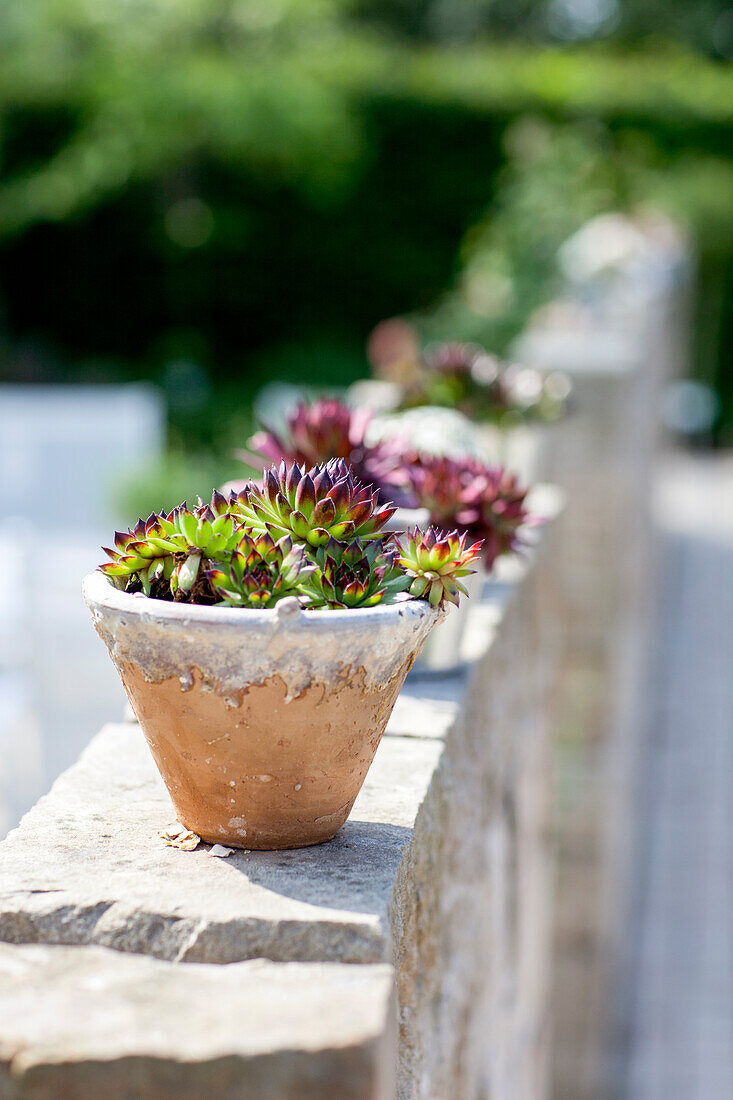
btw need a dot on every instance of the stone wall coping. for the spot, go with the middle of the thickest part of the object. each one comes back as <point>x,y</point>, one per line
<point>89,1022</point>
<point>613,353</point>
<point>87,865</point>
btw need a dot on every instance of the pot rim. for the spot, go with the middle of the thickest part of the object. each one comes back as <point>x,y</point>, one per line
<point>99,591</point>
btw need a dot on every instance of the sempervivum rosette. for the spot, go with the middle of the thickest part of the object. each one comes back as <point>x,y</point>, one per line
<point>487,502</point>
<point>436,562</point>
<point>260,572</point>
<point>313,506</point>
<point>327,428</point>
<point>355,574</point>
<point>167,555</point>
<point>315,433</point>
<point>495,511</point>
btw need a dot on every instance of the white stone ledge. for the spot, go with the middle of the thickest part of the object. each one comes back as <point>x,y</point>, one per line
<point>89,1023</point>
<point>87,866</point>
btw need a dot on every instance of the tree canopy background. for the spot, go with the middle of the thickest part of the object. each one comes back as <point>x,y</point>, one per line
<point>211,193</point>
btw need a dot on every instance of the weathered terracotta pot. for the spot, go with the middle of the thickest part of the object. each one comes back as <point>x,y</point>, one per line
<point>263,724</point>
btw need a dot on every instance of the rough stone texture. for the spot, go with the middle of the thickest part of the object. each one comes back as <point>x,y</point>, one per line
<point>442,868</point>
<point>604,463</point>
<point>87,865</point>
<point>86,1023</point>
<point>619,345</point>
<point>471,904</point>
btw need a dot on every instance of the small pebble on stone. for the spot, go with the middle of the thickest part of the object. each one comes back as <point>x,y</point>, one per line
<point>220,850</point>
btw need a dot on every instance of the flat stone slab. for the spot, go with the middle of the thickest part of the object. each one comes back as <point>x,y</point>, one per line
<point>87,865</point>
<point>87,1022</point>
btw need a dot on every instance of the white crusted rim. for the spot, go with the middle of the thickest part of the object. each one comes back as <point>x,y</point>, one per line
<point>234,647</point>
<point>98,591</point>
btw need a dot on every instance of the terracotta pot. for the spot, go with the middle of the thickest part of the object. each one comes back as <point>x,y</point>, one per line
<point>263,724</point>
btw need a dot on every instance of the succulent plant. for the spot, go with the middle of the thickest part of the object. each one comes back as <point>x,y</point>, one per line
<point>435,482</point>
<point>167,555</point>
<point>465,377</point>
<point>317,432</point>
<point>487,502</point>
<point>313,506</point>
<point>327,428</point>
<point>436,562</point>
<point>260,572</point>
<point>354,574</point>
<point>315,534</point>
<point>495,511</point>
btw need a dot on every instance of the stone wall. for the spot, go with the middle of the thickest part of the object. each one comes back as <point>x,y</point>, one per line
<point>621,333</point>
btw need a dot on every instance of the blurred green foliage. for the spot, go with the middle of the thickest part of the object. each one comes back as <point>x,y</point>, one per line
<point>556,177</point>
<point>212,193</point>
<point>704,25</point>
<point>179,476</point>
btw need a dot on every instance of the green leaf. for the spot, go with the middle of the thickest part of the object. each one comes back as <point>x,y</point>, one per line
<point>188,524</point>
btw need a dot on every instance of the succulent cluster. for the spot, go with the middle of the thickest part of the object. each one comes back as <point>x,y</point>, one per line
<point>355,574</point>
<point>435,562</point>
<point>465,377</point>
<point>313,506</point>
<point>314,534</point>
<point>324,429</point>
<point>168,555</point>
<point>484,502</point>
<point>464,494</point>
<point>260,572</point>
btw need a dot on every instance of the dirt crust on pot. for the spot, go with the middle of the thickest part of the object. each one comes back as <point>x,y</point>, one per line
<point>261,770</point>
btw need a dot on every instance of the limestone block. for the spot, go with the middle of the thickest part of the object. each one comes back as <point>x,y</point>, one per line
<point>87,1022</point>
<point>87,865</point>
<point>600,456</point>
<point>472,950</point>
<point>619,340</point>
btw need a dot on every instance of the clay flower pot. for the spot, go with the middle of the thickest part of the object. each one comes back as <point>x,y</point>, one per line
<point>263,724</point>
